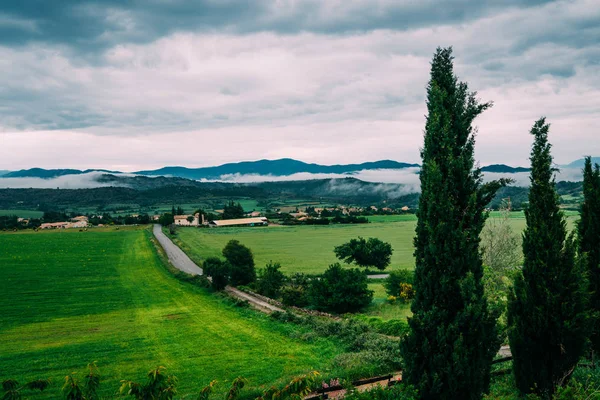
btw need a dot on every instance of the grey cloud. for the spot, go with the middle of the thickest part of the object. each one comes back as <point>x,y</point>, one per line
<point>89,25</point>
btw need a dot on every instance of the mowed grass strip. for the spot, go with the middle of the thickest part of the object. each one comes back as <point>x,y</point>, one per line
<point>309,249</point>
<point>70,298</point>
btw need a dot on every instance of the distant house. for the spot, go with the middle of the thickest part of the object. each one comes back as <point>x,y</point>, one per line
<point>405,208</point>
<point>254,214</point>
<point>74,223</point>
<point>184,220</point>
<point>80,218</point>
<point>259,221</point>
<point>55,225</point>
<point>298,214</point>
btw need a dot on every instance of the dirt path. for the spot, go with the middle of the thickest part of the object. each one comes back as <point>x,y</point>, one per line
<point>252,300</point>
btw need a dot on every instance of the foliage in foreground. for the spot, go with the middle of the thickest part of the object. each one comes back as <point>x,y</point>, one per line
<point>368,353</point>
<point>453,335</point>
<point>547,311</point>
<point>158,386</point>
<point>397,392</point>
<point>588,235</point>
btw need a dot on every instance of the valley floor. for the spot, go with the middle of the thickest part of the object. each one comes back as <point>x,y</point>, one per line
<point>70,298</point>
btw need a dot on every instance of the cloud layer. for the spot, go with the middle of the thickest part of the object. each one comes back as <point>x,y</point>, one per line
<point>408,178</point>
<point>126,85</point>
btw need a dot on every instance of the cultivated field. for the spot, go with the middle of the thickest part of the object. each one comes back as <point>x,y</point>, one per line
<point>309,249</point>
<point>70,298</point>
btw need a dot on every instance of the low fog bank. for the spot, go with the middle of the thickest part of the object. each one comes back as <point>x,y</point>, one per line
<point>408,177</point>
<point>80,181</point>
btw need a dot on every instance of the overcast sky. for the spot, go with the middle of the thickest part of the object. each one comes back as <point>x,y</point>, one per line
<point>132,84</point>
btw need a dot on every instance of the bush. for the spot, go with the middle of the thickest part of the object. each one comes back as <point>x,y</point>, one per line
<point>270,280</point>
<point>365,253</point>
<point>294,296</point>
<point>392,327</point>
<point>219,272</point>
<point>296,292</point>
<point>407,292</point>
<point>368,353</point>
<point>240,258</point>
<point>397,392</point>
<point>340,290</point>
<point>393,283</point>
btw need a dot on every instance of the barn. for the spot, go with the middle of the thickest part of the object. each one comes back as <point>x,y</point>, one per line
<point>259,221</point>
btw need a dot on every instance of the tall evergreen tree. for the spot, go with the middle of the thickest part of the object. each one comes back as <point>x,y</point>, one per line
<point>588,233</point>
<point>453,335</point>
<point>547,311</point>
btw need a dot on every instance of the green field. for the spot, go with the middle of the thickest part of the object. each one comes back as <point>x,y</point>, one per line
<point>70,298</point>
<point>306,249</point>
<point>22,213</point>
<point>309,249</point>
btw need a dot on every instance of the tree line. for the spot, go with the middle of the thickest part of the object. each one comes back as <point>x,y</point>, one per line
<point>553,303</point>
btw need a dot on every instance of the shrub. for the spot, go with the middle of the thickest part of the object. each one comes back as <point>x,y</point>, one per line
<point>365,253</point>
<point>270,280</point>
<point>294,296</point>
<point>407,292</point>
<point>340,290</point>
<point>393,283</point>
<point>240,257</point>
<point>219,272</point>
<point>397,392</point>
<point>296,292</point>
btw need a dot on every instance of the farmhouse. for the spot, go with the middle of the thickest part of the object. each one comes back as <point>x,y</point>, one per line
<point>184,220</point>
<point>77,222</point>
<point>260,221</point>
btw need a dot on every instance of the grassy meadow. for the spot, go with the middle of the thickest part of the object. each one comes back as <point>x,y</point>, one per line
<point>70,298</point>
<point>309,249</point>
<point>379,307</point>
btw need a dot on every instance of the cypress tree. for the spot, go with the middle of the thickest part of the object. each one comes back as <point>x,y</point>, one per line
<point>453,335</point>
<point>588,233</point>
<point>547,311</point>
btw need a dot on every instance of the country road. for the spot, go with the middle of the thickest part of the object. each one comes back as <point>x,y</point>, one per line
<point>177,257</point>
<point>182,262</point>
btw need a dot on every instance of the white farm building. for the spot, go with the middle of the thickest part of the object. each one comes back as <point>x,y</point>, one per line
<point>259,221</point>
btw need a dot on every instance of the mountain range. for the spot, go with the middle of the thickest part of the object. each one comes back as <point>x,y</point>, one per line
<point>281,167</point>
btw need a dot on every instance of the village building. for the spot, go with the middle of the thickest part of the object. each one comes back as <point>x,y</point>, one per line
<point>259,221</point>
<point>77,222</point>
<point>184,220</point>
<point>254,214</point>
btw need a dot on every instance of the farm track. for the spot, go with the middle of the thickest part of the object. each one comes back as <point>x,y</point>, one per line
<point>176,256</point>
<point>182,262</point>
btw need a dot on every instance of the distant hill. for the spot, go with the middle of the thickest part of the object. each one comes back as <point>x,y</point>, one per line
<point>281,167</point>
<point>581,162</point>
<point>505,169</point>
<point>48,173</point>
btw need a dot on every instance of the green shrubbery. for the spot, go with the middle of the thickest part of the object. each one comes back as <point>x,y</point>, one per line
<point>397,392</point>
<point>270,280</point>
<point>368,353</point>
<point>340,290</point>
